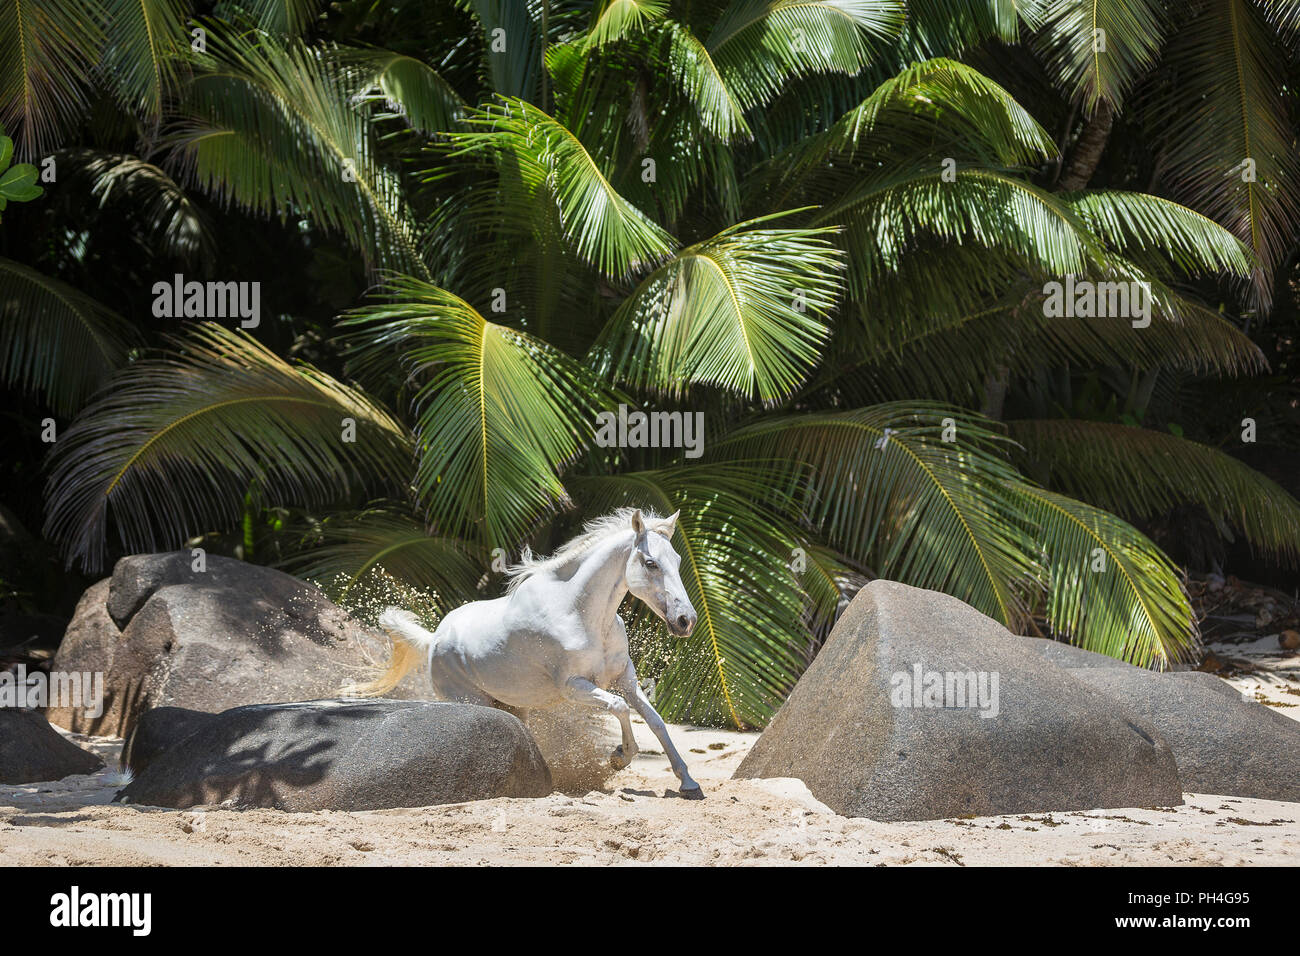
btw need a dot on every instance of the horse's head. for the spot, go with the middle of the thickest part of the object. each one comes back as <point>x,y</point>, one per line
<point>652,573</point>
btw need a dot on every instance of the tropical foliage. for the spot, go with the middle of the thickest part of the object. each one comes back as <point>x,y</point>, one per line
<point>825,225</point>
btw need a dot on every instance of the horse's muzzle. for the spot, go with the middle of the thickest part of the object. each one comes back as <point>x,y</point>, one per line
<point>682,624</point>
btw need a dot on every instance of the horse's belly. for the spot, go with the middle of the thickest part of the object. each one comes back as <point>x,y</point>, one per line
<point>515,675</point>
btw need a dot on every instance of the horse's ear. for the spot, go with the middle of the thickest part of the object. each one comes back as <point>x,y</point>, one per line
<point>668,525</point>
<point>638,522</point>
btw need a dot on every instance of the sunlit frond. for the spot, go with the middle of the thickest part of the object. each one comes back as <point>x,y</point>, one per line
<point>1109,589</point>
<point>744,310</point>
<point>759,45</point>
<point>499,411</point>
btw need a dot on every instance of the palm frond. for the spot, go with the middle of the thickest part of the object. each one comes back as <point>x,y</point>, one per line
<point>282,16</point>
<point>273,130</point>
<point>1141,473</point>
<point>1109,589</point>
<point>950,26</point>
<point>513,44</point>
<point>55,339</point>
<point>743,310</point>
<point>48,49</point>
<point>938,107</point>
<point>887,212</point>
<point>615,19</point>
<point>144,52</point>
<point>552,166</point>
<point>695,72</point>
<point>360,559</point>
<point>1283,13</point>
<point>887,491</point>
<point>1229,143</point>
<point>1098,49</point>
<point>171,447</point>
<point>166,218</point>
<point>408,86</point>
<point>499,411</point>
<point>1145,228</point>
<point>759,45</point>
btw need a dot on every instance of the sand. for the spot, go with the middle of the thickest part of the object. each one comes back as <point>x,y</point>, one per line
<point>636,818</point>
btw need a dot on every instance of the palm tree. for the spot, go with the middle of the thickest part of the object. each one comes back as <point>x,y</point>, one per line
<point>815,222</point>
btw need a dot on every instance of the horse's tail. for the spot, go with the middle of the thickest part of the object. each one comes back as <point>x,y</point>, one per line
<point>411,643</point>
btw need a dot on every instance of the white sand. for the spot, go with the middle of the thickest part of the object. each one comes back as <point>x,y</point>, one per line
<point>1263,671</point>
<point>633,820</point>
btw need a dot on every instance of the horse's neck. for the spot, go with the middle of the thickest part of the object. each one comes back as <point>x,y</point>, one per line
<point>599,585</point>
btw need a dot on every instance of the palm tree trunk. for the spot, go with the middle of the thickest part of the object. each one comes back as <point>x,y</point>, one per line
<point>1088,150</point>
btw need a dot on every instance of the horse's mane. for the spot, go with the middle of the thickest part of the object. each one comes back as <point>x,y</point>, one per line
<point>593,532</point>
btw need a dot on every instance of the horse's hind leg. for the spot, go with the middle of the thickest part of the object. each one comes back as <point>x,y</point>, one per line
<point>455,687</point>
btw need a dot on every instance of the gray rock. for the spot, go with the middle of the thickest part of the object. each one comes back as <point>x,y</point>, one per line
<point>169,636</point>
<point>1071,657</point>
<point>1223,744</point>
<point>160,729</point>
<point>31,750</point>
<point>88,646</point>
<point>1055,744</point>
<point>346,755</point>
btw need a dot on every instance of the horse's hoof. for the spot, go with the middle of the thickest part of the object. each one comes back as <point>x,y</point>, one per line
<point>617,759</point>
<point>692,793</point>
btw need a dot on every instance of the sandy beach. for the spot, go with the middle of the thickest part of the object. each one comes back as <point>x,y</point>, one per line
<point>637,818</point>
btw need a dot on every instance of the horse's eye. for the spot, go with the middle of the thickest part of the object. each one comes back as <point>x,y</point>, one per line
<point>650,564</point>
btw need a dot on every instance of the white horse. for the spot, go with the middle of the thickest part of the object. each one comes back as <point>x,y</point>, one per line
<point>556,636</point>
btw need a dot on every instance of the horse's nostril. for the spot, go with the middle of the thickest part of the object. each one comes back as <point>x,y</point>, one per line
<point>683,621</point>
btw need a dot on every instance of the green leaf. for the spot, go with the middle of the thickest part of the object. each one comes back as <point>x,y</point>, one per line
<point>552,166</point>
<point>170,448</point>
<point>18,177</point>
<point>1143,473</point>
<point>744,310</point>
<point>55,339</point>
<point>1109,589</point>
<point>499,411</point>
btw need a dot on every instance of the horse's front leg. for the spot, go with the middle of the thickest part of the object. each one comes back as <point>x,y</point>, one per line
<point>579,690</point>
<point>630,688</point>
